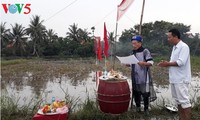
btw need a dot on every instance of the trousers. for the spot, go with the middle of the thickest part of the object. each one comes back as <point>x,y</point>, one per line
<point>139,97</point>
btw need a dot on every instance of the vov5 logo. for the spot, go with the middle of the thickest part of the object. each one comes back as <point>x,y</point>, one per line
<point>13,8</point>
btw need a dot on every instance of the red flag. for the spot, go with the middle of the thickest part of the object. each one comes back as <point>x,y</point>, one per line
<point>106,44</point>
<point>121,9</point>
<point>96,44</point>
<point>99,50</point>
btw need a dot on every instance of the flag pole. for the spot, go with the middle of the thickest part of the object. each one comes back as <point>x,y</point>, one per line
<point>115,44</point>
<point>140,27</point>
<point>115,41</point>
<point>96,50</point>
<point>105,63</point>
<point>124,5</point>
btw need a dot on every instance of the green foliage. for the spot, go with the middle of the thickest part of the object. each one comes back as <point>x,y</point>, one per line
<point>160,50</point>
<point>195,61</point>
<point>155,38</point>
<point>124,48</point>
<point>197,104</point>
<point>78,42</point>
<point>11,110</point>
<point>4,35</point>
<point>88,111</point>
<point>159,58</point>
<point>36,31</point>
<point>85,50</point>
<point>12,62</point>
<point>195,110</point>
<point>8,106</point>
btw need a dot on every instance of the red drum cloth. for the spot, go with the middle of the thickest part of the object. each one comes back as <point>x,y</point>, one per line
<point>50,117</point>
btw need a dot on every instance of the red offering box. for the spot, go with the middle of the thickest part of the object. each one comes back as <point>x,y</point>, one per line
<point>50,117</point>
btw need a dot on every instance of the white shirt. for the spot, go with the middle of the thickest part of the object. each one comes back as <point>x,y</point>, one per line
<point>181,55</point>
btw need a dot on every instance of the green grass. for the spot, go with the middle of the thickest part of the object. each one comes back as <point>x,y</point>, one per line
<point>89,110</point>
<point>196,109</point>
<point>195,63</point>
<point>10,109</point>
<point>158,59</point>
<point>13,62</point>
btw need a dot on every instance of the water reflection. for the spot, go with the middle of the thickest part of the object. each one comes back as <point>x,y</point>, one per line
<point>45,79</point>
<point>25,87</point>
<point>38,76</point>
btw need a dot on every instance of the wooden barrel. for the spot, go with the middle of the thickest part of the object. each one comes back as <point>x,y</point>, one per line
<point>113,96</point>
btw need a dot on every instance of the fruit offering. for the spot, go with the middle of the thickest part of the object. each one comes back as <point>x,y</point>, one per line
<point>53,107</point>
<point>58,104</point>
<point>46,109</point>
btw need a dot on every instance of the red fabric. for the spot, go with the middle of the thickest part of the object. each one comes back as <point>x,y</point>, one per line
<point>96,44</point>
<point>50,117</point>
<point>98,74</point>
<point>99,50</point>
<point>106,44</point>
<point>121,9</point>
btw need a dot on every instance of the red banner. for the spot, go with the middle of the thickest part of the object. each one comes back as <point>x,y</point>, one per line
<point>106,44</point>
<point>99,49</point>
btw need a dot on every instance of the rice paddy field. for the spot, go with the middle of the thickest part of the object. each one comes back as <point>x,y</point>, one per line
<point>27,84</point>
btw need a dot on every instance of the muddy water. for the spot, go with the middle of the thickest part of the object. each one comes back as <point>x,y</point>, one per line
<point>50,79</point>
<point>59,87</point>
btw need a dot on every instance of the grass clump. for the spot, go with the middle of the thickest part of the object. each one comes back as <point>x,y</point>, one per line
<point>195,110</point>
<point>13,62</point>
<point>195,64</point>
<point>11,110</point>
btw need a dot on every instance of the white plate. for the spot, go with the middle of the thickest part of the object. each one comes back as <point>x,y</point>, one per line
<point>171,108</point>
<point>62,110</point>
<point>123,77</point>
<point>41,113</point>
<point>111,77</point>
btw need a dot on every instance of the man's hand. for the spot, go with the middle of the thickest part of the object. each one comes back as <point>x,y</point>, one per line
<point>128,65</point>
<point>167,64</point>
<point>163,63</point>
<point>141,63</point>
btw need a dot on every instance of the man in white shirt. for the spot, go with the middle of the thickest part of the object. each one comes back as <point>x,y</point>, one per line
<point>179,73</point>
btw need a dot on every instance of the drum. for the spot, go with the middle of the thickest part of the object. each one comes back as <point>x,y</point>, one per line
<point>113,96</point>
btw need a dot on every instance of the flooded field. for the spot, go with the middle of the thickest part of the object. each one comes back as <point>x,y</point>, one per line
<point>43,79</point>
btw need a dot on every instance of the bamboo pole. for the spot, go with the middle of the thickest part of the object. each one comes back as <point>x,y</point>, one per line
<point>115,44</point>
<point>140,27</point>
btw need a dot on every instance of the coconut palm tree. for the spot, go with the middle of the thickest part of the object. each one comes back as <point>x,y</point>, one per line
<point>4,35</point>
<point>51,35</point>
<point>18,37</point>
<point>37,31</point>
<point>51,44</point>
<point>73,33</point>
<point>83,36</point>
<point>111,38</point>
<point>77,34</point>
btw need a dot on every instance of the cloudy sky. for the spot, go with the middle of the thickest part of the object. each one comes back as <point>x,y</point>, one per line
<point>59,14</point>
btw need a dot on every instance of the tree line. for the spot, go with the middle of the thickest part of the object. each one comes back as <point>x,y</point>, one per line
<point>36,40</point>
